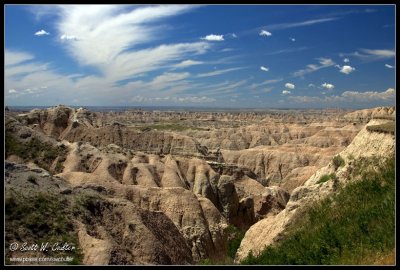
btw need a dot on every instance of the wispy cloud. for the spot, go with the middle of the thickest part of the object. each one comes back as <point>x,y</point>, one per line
<point>369,55</point>
<point>41,33</point>
<point>187,63</point>
<point>213,37</point>
<point>267,82</point>
<point>299,24</point>
<point>288,50</point>
<point>292,39</point>
<point>217,72</point>
<point>264,68</point>
<point>346,60</point>
<point>389,66</point>
<point>324,63</point>
<point>16,57</point>
<point>285,92</point>
<point>113,29</point>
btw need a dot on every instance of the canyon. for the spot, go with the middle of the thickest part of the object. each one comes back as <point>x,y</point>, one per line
<point>164,187</point>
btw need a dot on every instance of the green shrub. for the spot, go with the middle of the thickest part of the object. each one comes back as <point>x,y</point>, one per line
<point>235,237</point>
<point>349,227</point>
<point>338,161</point>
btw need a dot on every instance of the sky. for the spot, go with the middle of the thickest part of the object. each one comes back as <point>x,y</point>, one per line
<point>227,56</point>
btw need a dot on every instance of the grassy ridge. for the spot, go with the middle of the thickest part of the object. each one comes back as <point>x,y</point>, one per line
<point>384,128</point>
<point>355,225</point>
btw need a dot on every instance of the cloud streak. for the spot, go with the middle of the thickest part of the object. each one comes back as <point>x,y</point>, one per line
<point>324,63</point>
<point>300,24</point>
<point>217,72</point>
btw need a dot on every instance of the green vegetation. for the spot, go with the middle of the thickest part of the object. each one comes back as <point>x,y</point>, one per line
<point>326,177</point>
<point>235,236</point>
<point>338,161</point>
<point>43,154</point>
<point>351,227</point>
<point>383,128</point>
<point>41,218</point>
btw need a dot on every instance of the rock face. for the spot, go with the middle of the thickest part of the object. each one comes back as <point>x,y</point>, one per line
<point>268,230</point>
<point>368,114</point>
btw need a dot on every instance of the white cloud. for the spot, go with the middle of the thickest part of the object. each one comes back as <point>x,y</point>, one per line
<point>289,85</point>
<point>347,69</point>
<point>217,72</point>
<point>213,37</point>
<point>41,33</point>
<point>264,68</point>
<point>346,60</point>
<point>12,91</point>
<point>311,85</point>
<point>285,92</point>
<point>389,66</point>
<point>328,86</point>
<point>265,33</point>
<point>293,39</point>
<point>188,63</point>
<point>68,37</point>
<point>324,63</point>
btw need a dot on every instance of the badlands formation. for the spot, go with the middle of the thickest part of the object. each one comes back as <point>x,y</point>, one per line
<point>165,187</point>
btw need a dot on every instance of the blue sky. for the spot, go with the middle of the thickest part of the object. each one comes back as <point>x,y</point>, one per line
<point>236,56</point>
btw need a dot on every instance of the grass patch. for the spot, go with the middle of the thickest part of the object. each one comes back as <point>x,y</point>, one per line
<point>326,177</point>
<point>41,153</point>
<point>383,128</point>
<point>349,227</point>
<point>40,218</point>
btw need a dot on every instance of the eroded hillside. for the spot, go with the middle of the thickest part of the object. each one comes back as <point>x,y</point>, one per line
<point>165,187</point>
